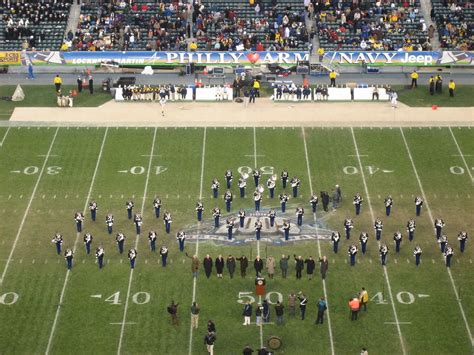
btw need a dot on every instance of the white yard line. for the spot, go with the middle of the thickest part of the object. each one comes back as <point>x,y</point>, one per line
<point>145,190</point>
<point>461,308</point>
<point>63,291</point>
<point>22,223</point>
<point>258,241</point>
<point>331,339</point>
<point>197,237</point>
<point>402,343</point>
<point>468,169</point>
<point>5,136</point>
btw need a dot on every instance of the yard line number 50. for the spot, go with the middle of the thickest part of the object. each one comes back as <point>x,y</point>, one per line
<point>245,297</point>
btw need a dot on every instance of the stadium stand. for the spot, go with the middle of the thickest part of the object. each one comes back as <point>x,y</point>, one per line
<point>264,25</point>
<point>140,26</point>
<point>372,25</point>
<point>33,25</point>
<point>455,22</point>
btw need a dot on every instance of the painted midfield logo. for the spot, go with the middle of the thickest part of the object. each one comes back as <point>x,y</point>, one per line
<point>268,234</point>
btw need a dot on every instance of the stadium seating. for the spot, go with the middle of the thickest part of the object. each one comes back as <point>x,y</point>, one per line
<point>374,25</point>
<point>455,22</point>
<point>141,26</point>
<point>33,25</point>
<point>235,25</point>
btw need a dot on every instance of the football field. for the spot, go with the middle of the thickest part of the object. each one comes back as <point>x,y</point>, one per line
<point>49,173</point>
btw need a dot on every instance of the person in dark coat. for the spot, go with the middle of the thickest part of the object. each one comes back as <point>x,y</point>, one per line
<point>207,263</point>
<point>231,266</point>
<point>299,266</point>
<point>220,266</point>
<point>91,84</point>
<point>258,265</point>
<point>324,266</point>
<point>79,84</point>
<point>244,264</point>
<point>310,266</point>
<point>325,200</point>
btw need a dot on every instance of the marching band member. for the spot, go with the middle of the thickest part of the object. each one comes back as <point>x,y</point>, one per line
<point>417,254</point>
<point>286,229</point>
<point>157,206</point>
<point>418,204</point>
<point>228,197</point>
<point>411,226</point>
<point>181,237</point>
<point>258,228</point>
<point>138,219</point>
<point>314,202</point>
<point>378,226</point>
<point>215,187</point>
<point>69,255</point>
<point>448,254</point>
<point>363,238</point>
<point>272,215</point>
<point>58,240</point>
<point>242,183</point>
<point>383,250</point>
<point>99,254</point>
<point>257,197</point>
<point>397,237</point>
<point>299,215</point>
<point>283,200</point>
<point>164,255</point>
<point>462,237</point>
<point>228,178</point>
<point>216,213</point>
<point>109,221</point>
<point>271,186</point>
<point>87,242</point>
<point>167,221</point>
<point>443,241</point>
<point>284,178</point>
<point>439,224</point>
<point>129,205</point>
<point>199,208</point>
<point>79,218</point>
<point>388,205</point>
<point>132,256</point>
<point>152,239</point>
<point>257,174</point>
<point>93,208</point>
<point>295,183</point>
<point>352,251</point>
<point>120,239</point>
<point>348,225</point>
<point>357,203</point>
<point>230,227</point>
<point>241,215</point>
<point>335,237</point>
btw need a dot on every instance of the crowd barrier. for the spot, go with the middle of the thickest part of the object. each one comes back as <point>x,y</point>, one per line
<point>336,94</point>
<point>215,93</point>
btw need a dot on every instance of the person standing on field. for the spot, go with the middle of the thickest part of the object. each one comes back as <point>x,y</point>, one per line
<point>324,266</point>
<point>414,79</point>
<point>363,298</point>
<point>270,265</point>
<point>244,264</point>
<point>195,315</point>
<point>322,306</point>
<point>451,87</point>
<point>284,265</point>
<point>292,303</point>
<point>247,313</point>
<point>209,341</point>
<point>230,262</point>
<point>173,311</point>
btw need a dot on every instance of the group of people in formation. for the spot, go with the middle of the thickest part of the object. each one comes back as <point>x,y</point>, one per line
<point>446,249</point>
<point>231,221</point>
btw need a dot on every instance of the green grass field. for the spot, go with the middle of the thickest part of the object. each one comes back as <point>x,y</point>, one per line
<point>49,173</point>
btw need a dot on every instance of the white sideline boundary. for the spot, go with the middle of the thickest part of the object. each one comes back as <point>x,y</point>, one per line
<point>461,155</point>
<point>402,343</point>
<point>331,339</point>
<point>190,346</point>
<point>25,215</point>
<point>63,291</point>
<point>125,310</point>
<point>5,136</point>
<point>461,308</point>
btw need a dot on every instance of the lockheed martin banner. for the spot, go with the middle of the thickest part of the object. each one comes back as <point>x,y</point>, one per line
<point>141,59</point>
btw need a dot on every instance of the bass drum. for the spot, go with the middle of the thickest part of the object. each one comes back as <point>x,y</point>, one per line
<point>274,342</point>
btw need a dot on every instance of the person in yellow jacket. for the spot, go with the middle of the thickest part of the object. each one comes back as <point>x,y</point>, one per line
<point>321,53</point>
<point>414,79</point>
<point>363,298</point>
<point>57,82</point>
<point>332,76</point>
<point>451,87</point>
<point>256,86</point>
